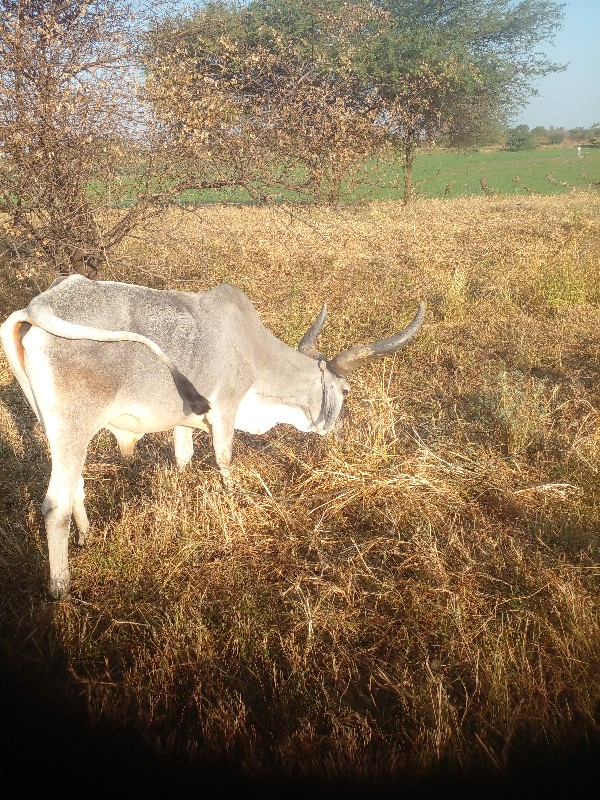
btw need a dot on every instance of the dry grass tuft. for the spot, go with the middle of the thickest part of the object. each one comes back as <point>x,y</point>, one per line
<point>423,593</point>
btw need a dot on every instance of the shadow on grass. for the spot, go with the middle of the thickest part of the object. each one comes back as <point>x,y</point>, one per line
<point>49,744</point>
<point>23,482</point>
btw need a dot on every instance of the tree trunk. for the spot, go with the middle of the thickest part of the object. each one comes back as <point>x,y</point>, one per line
<point>407,181</point>
<point>409,155</point>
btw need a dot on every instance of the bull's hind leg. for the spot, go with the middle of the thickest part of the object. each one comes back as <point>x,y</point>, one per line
<point>80,514</point>
<point>64,497</point>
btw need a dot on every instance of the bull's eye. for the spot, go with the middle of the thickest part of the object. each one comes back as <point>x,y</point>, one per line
<point>345,392</point>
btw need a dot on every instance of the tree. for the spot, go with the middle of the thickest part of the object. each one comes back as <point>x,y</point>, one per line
<point>539,134</point>
<point>104,117</point>
<point>265,92</point>
<point>68,118</point>
<point>415,70</point>
<point>579,134</point>
<point>83,158</point>
<point>520,138</point>
<point>556,135</point>
<point>594,138</point>
<point>453,68</point>
<point>61,123</point>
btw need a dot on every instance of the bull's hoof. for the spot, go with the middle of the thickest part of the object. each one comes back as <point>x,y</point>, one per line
<point>226,479</point>
<point>59,589</point>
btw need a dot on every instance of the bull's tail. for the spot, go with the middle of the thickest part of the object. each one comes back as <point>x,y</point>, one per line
<point>45,319</point>
<point>10,336</point>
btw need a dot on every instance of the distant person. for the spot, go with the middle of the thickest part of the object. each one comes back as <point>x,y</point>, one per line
<point>579,151</point>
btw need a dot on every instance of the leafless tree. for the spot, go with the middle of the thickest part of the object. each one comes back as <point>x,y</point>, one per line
<point>83,159</point>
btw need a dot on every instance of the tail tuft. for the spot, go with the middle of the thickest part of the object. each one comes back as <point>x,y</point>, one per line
<point>197,402</point>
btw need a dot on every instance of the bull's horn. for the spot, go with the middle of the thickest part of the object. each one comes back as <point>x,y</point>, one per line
<point>356,357</point>
<point>308,343</point>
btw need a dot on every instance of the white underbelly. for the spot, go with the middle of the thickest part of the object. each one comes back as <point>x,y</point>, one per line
<point>140,422</point>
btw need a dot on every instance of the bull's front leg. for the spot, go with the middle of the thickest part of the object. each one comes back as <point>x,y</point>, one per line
<point>221,431</point>
<point>184,445</point>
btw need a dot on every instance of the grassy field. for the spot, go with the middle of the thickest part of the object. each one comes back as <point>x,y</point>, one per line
<point>530,172</point>
<point>438,173</point>
<point>421,598</point>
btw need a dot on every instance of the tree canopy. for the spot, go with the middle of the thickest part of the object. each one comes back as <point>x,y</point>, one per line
<point>68,124</point>
<point>322,82</point>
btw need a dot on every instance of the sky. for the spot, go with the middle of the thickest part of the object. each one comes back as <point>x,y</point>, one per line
<point>571,98</point>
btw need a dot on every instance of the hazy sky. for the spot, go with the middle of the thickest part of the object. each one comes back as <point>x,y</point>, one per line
<point>571,98</point>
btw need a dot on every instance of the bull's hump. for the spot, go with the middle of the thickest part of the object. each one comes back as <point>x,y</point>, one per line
<point>113,306</point>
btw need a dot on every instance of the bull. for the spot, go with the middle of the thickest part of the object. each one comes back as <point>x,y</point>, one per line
<point>100,354</point>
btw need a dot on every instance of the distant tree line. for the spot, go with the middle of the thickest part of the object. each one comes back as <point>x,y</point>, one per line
<point>104,105</point>
<point>522,137</point>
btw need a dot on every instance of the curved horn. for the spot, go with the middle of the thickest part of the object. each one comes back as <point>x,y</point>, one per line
<point>356,357</point>
<point>308,343</point>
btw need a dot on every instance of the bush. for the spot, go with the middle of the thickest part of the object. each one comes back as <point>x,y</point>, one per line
<point>520,138</point>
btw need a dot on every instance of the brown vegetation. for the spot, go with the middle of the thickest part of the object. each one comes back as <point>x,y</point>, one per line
<point>423,593</point>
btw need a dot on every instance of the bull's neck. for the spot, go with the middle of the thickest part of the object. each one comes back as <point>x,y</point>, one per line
<point>290,373</point>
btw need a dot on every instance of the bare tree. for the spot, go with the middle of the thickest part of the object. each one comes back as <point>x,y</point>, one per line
<point>62,121</point>
<point>83,160</point>
<point>268,111</point>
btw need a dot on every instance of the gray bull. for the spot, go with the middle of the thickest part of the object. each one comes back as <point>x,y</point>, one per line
<point>98,354</point>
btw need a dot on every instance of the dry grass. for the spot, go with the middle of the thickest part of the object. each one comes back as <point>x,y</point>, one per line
<point>423,594</point>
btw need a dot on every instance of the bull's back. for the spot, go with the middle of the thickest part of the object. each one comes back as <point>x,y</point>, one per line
<point>112,306</point>
<point>211,336</point>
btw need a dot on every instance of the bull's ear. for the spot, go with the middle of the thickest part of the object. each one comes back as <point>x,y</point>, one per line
<point>308,343</point>
<point>356,357</point>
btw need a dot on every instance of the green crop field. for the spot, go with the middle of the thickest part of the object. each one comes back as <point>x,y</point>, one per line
<point>523,173</point>
<point>443,173</point>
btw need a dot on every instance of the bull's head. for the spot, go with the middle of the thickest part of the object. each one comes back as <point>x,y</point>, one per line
<point>335,371</point>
